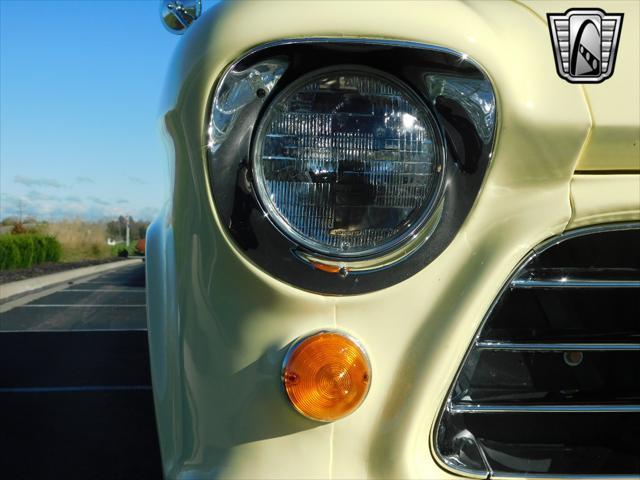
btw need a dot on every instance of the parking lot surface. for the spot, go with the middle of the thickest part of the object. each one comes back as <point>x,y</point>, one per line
<point>75,387</point>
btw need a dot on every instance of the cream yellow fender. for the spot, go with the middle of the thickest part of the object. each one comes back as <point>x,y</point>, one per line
<point>218,326</point>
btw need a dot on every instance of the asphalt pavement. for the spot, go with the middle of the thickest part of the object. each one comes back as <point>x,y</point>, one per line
<point>75,386</point>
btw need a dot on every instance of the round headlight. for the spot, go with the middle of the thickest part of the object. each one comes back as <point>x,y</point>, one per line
<point>348,163</point>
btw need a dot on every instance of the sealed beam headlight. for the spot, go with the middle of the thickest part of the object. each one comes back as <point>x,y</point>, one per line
<point>348,163</point>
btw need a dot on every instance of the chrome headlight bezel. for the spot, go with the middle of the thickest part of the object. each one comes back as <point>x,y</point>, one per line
<point>451,86</point>
<point>283,223</point>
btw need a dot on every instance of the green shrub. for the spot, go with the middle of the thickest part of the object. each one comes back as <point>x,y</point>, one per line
<point>25,244</point>
<point>119,249</point>
<point>9,252</point>
<point>53,250</point>
<point>40,249</point>
<point>26,250</point>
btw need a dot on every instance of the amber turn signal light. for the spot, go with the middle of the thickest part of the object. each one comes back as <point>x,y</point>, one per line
<point>326,375</point>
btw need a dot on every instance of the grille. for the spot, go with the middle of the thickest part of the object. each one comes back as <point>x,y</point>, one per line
<point>551,383</point>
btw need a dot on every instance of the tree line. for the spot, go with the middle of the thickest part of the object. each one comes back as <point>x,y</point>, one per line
<point>118,228</point>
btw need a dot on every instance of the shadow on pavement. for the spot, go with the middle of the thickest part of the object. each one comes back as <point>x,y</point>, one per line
<point>78,404</point>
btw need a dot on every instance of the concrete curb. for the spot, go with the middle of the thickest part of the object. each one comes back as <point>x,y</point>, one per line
<point>21,287</point>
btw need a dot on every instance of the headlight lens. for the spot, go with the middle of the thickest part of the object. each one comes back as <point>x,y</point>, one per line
<point>348,163</point>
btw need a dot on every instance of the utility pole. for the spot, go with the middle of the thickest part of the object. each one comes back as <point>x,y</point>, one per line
<point>127,230</point>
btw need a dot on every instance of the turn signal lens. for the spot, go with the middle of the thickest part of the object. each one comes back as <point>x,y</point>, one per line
<point>326,376</point>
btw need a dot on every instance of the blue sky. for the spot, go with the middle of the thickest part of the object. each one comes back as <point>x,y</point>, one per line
<point>80,84</point>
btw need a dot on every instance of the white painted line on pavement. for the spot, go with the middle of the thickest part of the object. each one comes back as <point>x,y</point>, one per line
<point>102,290</point>
<point>80,305</point>
<point>74,388</point>
<point>79,275</point>
<point>74,330</point>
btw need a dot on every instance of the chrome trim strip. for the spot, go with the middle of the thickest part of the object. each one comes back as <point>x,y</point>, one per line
<point>574,283</point>
<point>483,474</point>
<point>556,347</point>
<point>554,475</point>
<point>581,231</point>
<point>477,408</point>
<point>365,41</point>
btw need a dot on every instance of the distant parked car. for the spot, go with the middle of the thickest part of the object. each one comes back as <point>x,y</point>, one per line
<point>140,247</point>
<point>399,244</point>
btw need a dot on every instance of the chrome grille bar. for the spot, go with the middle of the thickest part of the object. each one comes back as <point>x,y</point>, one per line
<point>564,408</point>
<point>573,283</point>
<point>556,347</point>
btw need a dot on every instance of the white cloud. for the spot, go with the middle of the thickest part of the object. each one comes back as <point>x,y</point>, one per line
<point>53,208</point>
<point>37,182</point>
<point>137,180</point>
<point>99,201</point>
<point>36,196</point>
